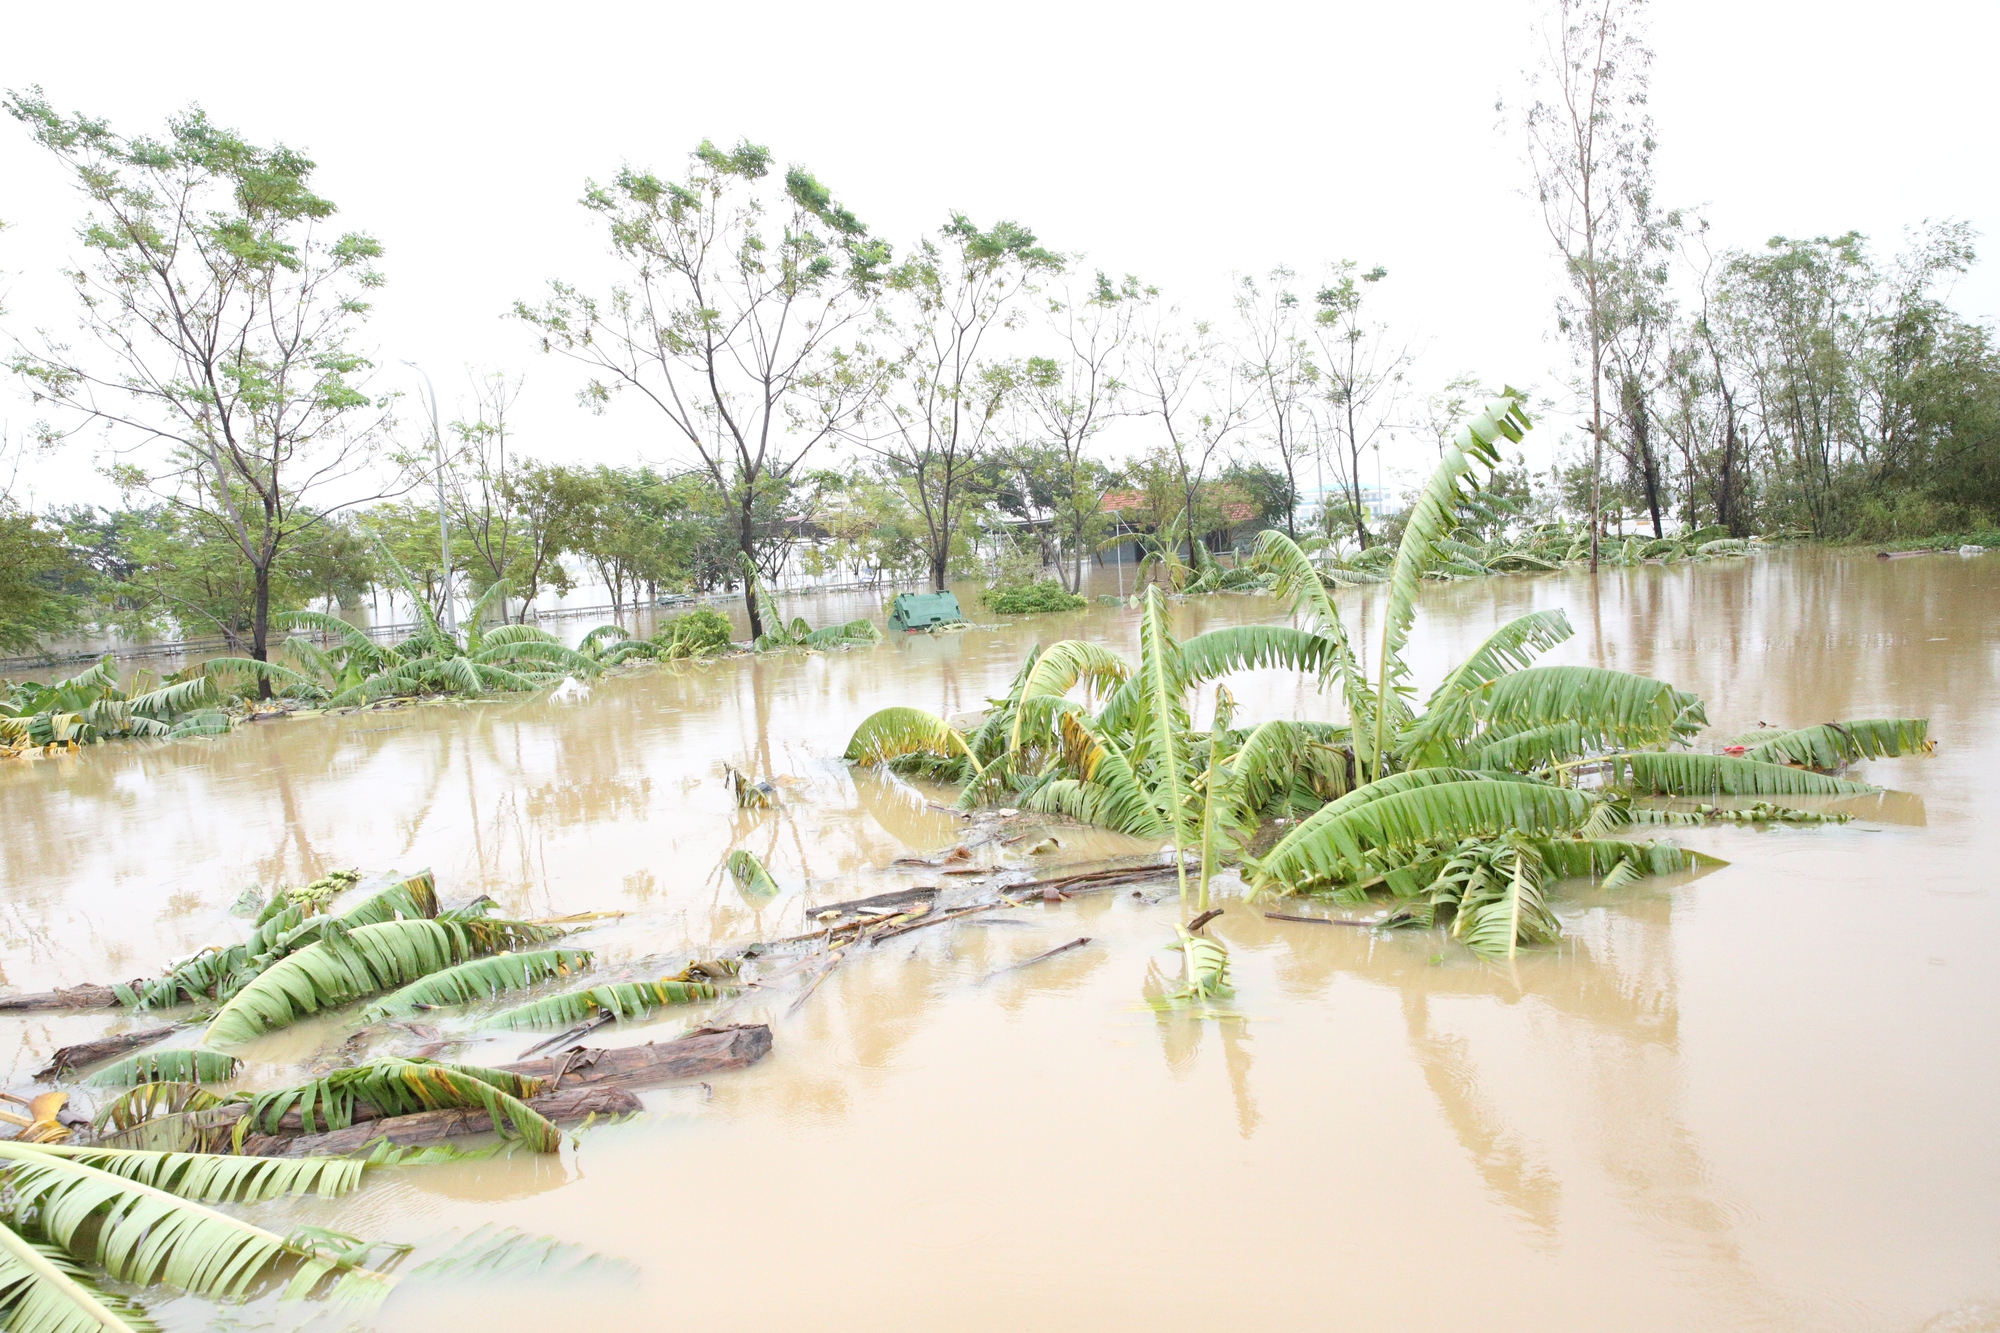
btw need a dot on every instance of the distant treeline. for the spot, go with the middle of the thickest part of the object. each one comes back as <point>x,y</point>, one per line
<point>934,410</point>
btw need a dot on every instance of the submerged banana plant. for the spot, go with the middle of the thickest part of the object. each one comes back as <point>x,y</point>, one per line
<point>433,661</point>
<point>289,921</point>
<point>1204,971</point>
<point>750,875</point>
<point>1503,747</point>
<point>346,965</point>
<point>91,706</point>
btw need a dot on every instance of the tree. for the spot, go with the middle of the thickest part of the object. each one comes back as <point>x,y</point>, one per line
<point>1363,373</point>
<point>1448,406</point>
<point>221,309</point>
<point>735,295</point>
<point>35,564</point>
<point>1730,454</point>
<point>1588,140</point>
<point>1800,311</point>
<point>936,409</point>
<point>408,530</point>
<point>1264,487</point>
<point>476,489</point>
<point>1188,378</point>
<point>1073,395</point>
<point>1639,317</point>
<point>1277,360</point>
<point>163,567</point>
<point>641,530</point>
<point>872,525</point>
<point>553,505</point>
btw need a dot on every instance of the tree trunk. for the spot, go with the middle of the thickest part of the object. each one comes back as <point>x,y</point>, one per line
<point>1596,440</point>
<point>1726,508</point>
<point>941,549</point>
<point>1354,463</point>
<point>746,542</point>
<point>260,626</point>
<point>1651,472</point>
<point>1640,425</point>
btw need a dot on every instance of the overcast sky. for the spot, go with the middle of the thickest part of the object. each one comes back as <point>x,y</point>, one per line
<point>1181,143</point>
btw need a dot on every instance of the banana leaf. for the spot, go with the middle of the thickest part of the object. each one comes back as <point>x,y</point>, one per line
<point>180,1064</point>
<point>750,875</point>
<point>44,1290</point>
<point>1580,858</point>
<point>480,979</point>
<point>1610,707</point>
<point>144,1234</point>
<point>404,1087</point>
<point>894,732</point>
<point>1684,774</point>
<point>1417,808</point>
<point>1832,744</point>
<point>1450,715</point>
<point>625,999</point>
<point>1106,791</point>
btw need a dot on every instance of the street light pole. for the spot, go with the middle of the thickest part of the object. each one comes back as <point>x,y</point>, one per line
<point>444,523</point>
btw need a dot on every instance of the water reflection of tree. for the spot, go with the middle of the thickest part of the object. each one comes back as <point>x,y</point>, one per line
<point>1612,992</point>
<point>1515,1173</point>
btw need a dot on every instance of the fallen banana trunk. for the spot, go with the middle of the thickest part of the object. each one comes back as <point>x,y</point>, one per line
<point>427,1128</point>
<point>71,1059</point>
<point>583,1081</point>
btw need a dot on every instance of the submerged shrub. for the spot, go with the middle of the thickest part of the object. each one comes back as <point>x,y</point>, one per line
<point>699,633</point>
<point>1046,595</point>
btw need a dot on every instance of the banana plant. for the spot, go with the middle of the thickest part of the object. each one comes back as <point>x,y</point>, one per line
<point>798,634</point>
<point>1160,559</point>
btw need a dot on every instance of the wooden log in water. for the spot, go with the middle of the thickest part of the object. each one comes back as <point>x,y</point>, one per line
<point>427,1128</point>
<point>697,1055</point>
<point>902,900</point>
<point>1088,881</point>
<point>83,995</point>
<point>69,1059</point>
<point>1077,943</point>
<point>1321,920</point>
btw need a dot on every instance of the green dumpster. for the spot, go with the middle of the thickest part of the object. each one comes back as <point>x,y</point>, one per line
<point>912,611</point>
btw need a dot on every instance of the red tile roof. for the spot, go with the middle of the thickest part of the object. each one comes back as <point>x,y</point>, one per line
<point>1119,502</point>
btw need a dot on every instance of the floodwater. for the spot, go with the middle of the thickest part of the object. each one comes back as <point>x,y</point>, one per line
<point>1759,1099</point>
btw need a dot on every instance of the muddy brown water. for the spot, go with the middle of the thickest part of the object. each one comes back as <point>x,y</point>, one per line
<point>1760,1099</point>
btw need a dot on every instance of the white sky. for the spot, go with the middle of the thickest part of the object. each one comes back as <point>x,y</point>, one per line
<point>1178,142</point>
